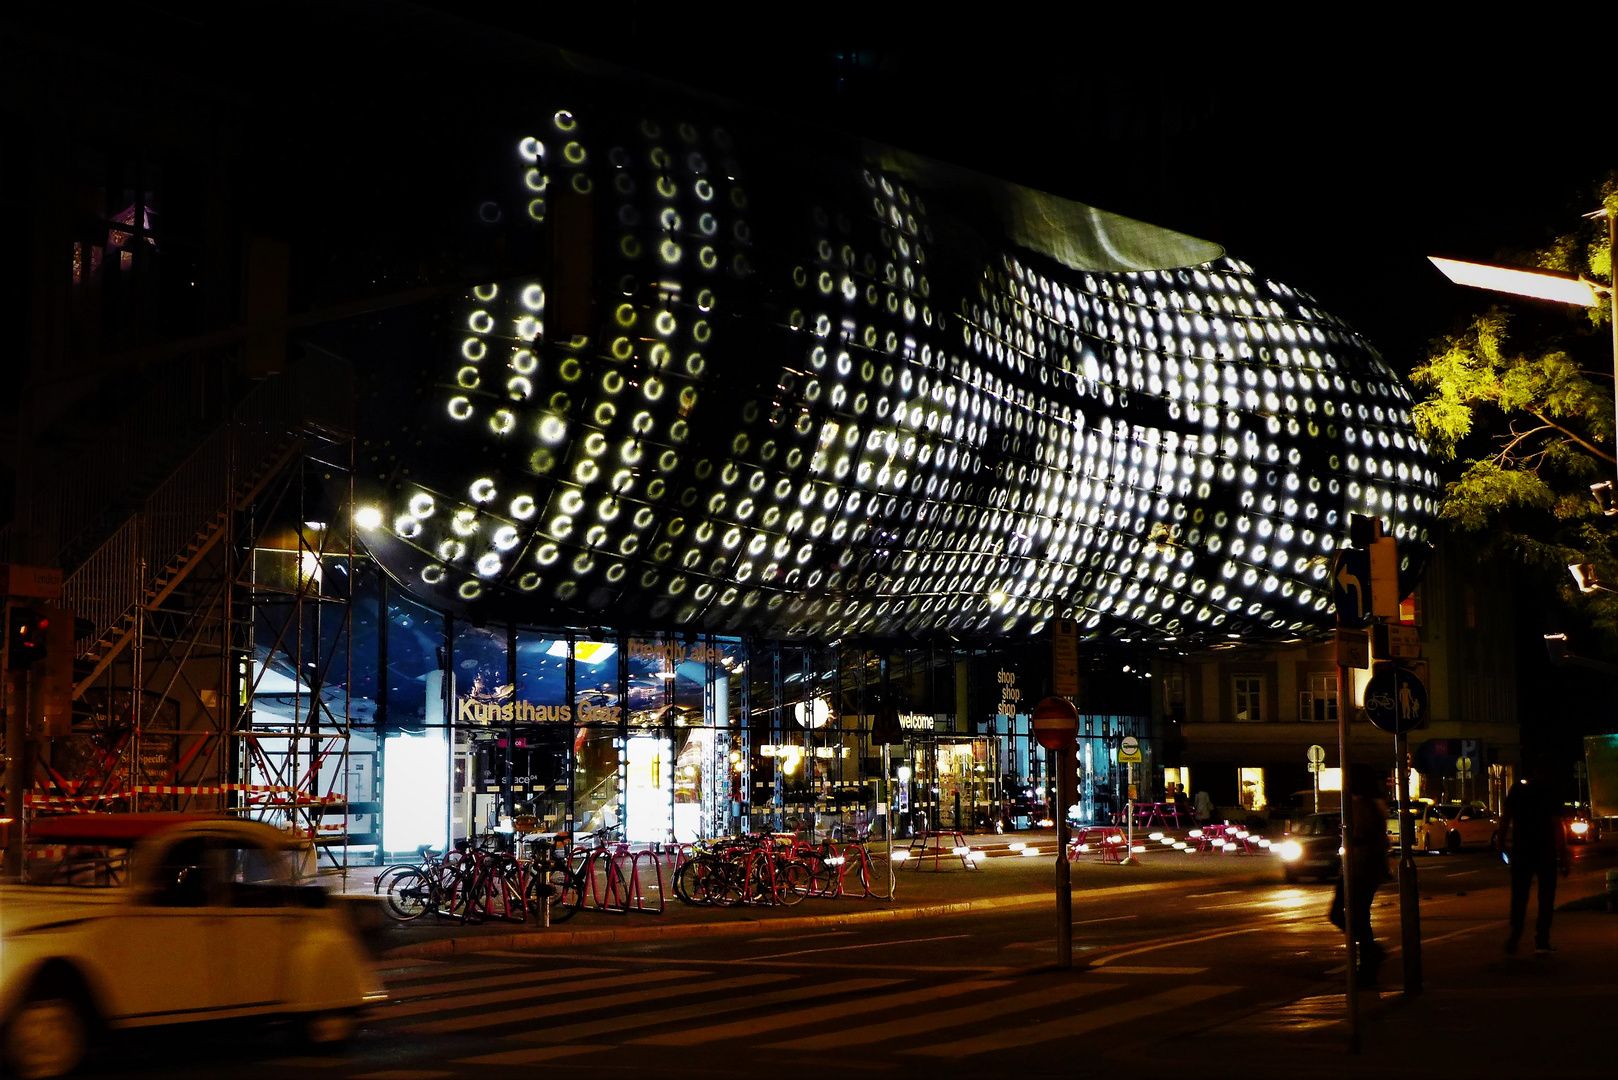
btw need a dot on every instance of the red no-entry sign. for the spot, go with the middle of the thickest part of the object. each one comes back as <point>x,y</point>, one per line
<point>1056,723</point>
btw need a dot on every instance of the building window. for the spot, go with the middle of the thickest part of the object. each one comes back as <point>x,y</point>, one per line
<point>1251,790</point>
<point>1247,696</point>
<point>1319,701</point>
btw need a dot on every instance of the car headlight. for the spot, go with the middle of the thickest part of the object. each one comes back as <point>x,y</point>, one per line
<point>1580,828</point>
<point>1290,850</point>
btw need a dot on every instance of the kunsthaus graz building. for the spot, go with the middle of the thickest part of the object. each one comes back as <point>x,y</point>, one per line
<point>782,435</point>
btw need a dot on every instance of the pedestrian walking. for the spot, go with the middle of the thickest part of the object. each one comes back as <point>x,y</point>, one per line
<point>1538,848</point>
<point>1368,864</point>
<point>1205,808</point>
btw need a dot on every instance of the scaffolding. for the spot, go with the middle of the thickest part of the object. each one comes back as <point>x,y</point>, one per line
<point>183,620</point>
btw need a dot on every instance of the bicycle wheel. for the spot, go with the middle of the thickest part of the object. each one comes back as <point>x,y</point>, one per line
<point>409,895</point>
<point>792,882</point>
<point>558,887</point>
<point>691,882</point>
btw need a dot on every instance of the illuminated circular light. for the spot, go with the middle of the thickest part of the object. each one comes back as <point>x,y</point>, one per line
<point>470,590</point>
<point>530,149</point>
<point>505,538</point>
<point>465,522</point>
<point>489,564</point>
<point>522,507</point>
<point>552,429</point>
<point>528,582</point>
<point>432,575</point>
<point>460,408</point>
<point>421,504</point>
<point>502,421</point>
<point>533,297</point>
<point>474,349</point>
<point>407,527</point>
<point>451,550</point>
<point>664,323</point>
<point>479,322</point>
<point>482,490</point>
<point>546,555</point>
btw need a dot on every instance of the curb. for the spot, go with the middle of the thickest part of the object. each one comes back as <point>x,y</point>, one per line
<point>532,940</point>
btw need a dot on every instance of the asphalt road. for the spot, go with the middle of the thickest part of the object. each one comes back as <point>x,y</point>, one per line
<point>1154,971</point>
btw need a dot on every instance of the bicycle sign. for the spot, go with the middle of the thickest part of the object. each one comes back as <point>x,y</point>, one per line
<point>1395,700</point>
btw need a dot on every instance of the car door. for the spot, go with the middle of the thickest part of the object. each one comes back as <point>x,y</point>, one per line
<point>1475,826</point>
<point>157,950</point>
<point>251,932</point>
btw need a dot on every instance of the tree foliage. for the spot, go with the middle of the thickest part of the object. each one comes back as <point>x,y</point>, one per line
<point>1525,401</point>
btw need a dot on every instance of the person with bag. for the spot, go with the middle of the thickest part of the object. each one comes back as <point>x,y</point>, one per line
<point>1368,866</point>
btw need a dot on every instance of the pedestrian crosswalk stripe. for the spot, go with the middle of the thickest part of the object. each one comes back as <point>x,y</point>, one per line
<point>967,1014</point>
<point>701,1009</point>
<point>496,997</point>
<point>415,974</point>
<point>527,1057</point>
<point>759,1024</point>
<point>447,986</point>
<point>1075,1024</point>
<point>562,1008</point>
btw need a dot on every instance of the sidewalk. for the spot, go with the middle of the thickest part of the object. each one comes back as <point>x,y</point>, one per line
<point>1006,879</point>
<point>1481,1013</point>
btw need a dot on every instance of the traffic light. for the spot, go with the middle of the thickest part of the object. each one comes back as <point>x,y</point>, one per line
<point>28,637</point>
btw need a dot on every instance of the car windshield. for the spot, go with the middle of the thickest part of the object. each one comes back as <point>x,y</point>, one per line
<point>1319,825</point>
<point>1448,813</point>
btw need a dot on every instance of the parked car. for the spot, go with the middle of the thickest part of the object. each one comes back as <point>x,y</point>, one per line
<point>204,919</point>
<point>1313,849</point>
<point>1448,827</point>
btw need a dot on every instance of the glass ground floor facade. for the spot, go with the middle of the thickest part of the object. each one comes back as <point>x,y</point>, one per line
<point>452,728</point>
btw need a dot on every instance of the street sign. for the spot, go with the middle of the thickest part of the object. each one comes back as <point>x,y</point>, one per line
<point>1351,586</point>
<point>1317,766</point>
<point>1463,768</point>
<point>1395,700</point>
<point>1056,723</point>
<point>1395,641</point>
<point>1129,751</point>
<point>1317,754</point>
<point>1385,577</point>
<point>37,582</point>
<point>885,727</point>
<point>1352,650</point>
<point>1065,657</point>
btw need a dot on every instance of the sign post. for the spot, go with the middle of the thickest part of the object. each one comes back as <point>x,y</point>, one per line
<point>1351,587</point>
<point>1056,726</point>
<point>1317,761</point>
<point>1129,754</point>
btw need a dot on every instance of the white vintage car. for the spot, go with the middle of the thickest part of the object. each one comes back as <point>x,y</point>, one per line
<point>206,920</point>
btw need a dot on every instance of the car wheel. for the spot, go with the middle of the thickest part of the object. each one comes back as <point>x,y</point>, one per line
<point>1424,843</point>
<point>329,1029</point>
<point>1452,842</point>
<point>47,1036</point>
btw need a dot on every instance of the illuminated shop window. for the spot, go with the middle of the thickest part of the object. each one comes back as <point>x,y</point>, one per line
<point>1251,788</point>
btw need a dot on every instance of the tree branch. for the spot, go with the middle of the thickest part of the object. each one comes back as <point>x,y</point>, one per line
<point>1518,437</point>
<point>1602,454</point>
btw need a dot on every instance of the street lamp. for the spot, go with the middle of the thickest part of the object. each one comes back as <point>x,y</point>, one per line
<point>1560,288</point>
<point>1584,575</point>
